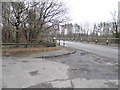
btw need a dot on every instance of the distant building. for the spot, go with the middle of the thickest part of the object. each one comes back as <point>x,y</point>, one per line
<point>77,30</point>
<point>69,28</point>
<point>63,29</point>
<point>106,28</point>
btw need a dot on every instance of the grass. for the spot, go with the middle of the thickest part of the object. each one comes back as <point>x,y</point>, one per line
<point>19,51</point>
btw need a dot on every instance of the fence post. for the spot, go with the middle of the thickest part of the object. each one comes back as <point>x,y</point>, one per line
<point>64,43</point>
<point>107,42</point>
<point>81,40</point>
<point>96,41</point>
<point>59,41</point>
<point>88,40</point>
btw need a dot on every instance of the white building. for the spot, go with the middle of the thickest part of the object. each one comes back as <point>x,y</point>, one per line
<point>69,28</point>
<point>63,29</point>
<point>77,30</point>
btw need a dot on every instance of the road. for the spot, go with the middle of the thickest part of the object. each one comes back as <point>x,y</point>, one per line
<point>78,70</point>
<point>100,50</point>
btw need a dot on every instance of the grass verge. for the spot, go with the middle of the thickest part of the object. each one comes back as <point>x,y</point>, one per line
<point>20,51</point>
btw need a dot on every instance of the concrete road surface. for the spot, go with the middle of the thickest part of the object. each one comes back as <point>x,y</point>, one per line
<point>100,50</point>
<point>78,70</point>
<point>27,72</point>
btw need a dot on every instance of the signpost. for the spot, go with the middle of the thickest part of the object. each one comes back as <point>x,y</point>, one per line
<point>55,24</point>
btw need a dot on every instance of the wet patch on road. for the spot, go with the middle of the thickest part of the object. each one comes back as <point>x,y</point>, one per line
<point>112,84</point>
<point>34,73</point>
<point>42,85</point>
<point>83,53</point>
<point>11,63</point>
<point>25,61</point>
<point>4,65</point>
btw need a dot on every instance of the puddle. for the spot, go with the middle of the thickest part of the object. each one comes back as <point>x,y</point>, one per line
<point>42,85</point>
<point>83,53</point>
<point>25,61</point>
<point>34,73</point>
<point>11,63</point>
<point>112,84</point>
<point>3,65</point>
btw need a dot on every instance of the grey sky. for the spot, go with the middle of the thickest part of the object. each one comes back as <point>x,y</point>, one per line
<point>91,10</point>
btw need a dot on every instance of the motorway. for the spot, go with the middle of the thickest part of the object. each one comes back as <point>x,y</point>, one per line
<point>105,51</point>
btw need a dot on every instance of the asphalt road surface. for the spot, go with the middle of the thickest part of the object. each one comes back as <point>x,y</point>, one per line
<point>78,70</point>
<point>105,51</point>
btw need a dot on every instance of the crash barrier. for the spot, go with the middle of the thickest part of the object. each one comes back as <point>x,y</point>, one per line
<point>95,40</point>
<point>101,40</point>
<point>106,40</point>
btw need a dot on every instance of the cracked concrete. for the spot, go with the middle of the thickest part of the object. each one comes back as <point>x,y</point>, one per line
<point>22,74</point>
<point>42,85</point>
<point>62,72</point>
<point>61,84</point>
<point>84,83</point>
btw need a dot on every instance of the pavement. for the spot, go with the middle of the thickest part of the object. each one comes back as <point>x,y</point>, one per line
<point>24,73</point>
<point>37,71</point>
<point>28,71</point>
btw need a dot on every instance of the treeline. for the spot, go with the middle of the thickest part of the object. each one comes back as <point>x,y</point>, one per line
<point>25,22</point>
<point>109,29</point>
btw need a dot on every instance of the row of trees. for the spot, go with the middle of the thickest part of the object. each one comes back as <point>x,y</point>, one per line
<point>103,29</point>
<point>28,21</point>
<point>75,28</point>
<point>108,29</point>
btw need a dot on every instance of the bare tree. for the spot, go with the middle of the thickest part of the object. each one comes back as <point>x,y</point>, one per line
<point>6,23</point>
<point>31,20</point>
<point>18,17</point>
<point>46,11</point>
<point>116,32</point>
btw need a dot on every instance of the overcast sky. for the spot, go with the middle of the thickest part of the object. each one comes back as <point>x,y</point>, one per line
<point>91,10</point>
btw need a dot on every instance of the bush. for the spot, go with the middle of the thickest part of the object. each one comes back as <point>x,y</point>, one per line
<point>48,44</point>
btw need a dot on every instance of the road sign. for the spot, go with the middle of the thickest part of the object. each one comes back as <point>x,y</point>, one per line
<point>56,26</point>
<point>55,21</point>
